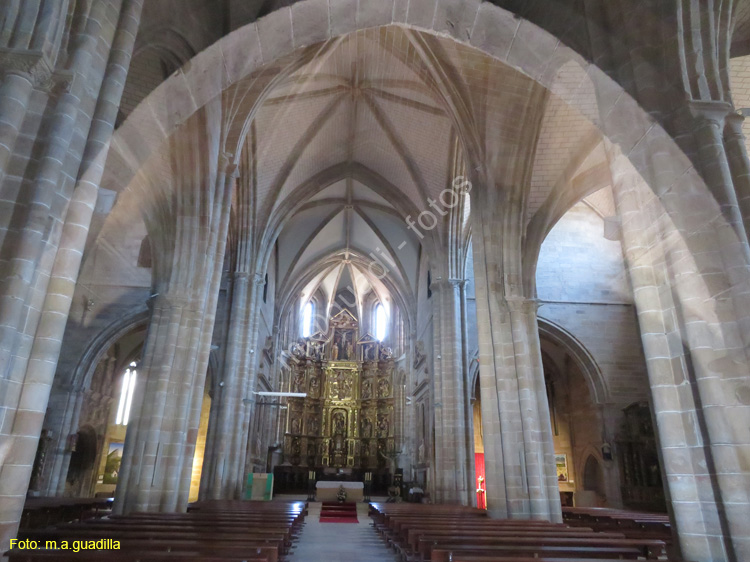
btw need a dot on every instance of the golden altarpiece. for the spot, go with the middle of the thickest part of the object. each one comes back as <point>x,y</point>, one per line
<point>346,419</point>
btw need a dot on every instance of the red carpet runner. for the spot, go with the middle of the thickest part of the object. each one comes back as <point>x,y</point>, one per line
<point>333,512</point>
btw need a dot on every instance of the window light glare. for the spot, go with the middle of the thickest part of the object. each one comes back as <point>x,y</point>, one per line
<point>380,322</point>
<point>307,314</point>
<point>123,396</point>
<point>126,395</point>
<point>131,390</point>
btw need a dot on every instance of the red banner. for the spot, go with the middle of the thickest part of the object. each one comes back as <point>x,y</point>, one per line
<point>480,481</point>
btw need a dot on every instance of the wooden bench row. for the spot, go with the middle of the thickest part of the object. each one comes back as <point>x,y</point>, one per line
<point>421,533</point>
<point>630,523</point>
<point>247,531</point>
<point>45,511</point>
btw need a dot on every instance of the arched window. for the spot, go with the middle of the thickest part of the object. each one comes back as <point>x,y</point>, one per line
<point>126,395</point>
<point>381,320</point>
<point>307,320</point>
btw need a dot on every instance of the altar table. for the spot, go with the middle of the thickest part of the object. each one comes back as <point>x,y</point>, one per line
<point>326,491</point>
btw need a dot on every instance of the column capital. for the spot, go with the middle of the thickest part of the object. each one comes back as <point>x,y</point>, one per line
<point>171,299</point>
<point>259,279</point>
<point>240,275</point>
<point>228,165</point>
<point>714,112</point>
<point>448,282</point>
<point>522,304</point>
<point>734,122</point>
<point>31,65</point>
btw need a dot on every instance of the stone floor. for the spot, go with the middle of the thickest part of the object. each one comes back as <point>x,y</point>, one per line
<point>339,542</point>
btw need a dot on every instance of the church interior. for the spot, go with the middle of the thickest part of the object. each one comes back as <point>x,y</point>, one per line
<point>459,262</point>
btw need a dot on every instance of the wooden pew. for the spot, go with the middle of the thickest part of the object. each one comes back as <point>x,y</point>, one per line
<point>631,524</point>
<point>159,545</point>
<point>145,534</point>
<point>130,556</point>
<point>248,530</point>
<point>498,553</point>
<point>648,548</point>
<point>460,556</point>
<point>45,511</point>
<point>414,535</point>
<point>243,531</point>
<point>417,532</point>
<point>407,538</point>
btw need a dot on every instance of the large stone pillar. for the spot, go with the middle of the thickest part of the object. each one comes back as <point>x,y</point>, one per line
<point>468,399</point>
<point>27,371</point>
<point>226,451</point>
<point>453,482</point>
<point>519,453</point>
<point>690,288</point>
<point>739,164</point>
<point>220,451</point>
<point>249,370</point>
<point>191,236</point>
<point>29,42</point>
<point>36,209</point>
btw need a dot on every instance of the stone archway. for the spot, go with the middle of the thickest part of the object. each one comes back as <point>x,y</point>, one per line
<point>69,402</point>
<point>583,358</point>
<point>593,477</point>
<point>642,143</point>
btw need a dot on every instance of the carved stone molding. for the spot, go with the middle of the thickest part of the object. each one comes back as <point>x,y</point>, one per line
<point>521,304</point>
<point>734,121</point>
<point>448,283</point>
<point>173,299</point>
<point>32,65</point>
<point>715,112</point>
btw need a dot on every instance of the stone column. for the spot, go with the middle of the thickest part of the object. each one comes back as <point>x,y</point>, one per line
<point>220,450</point>
<point>708,131</point>
<point>15,92</point>
<point>47,344</point>
<point>453,483</point>
<point>31,239</point>
<point>468,401</point>
<point>410,443</point>
<point>519,453</point>
<point>151,459</point>
<point>541,474</point>
<point>249,369</point>
<point>234,411</point>
<point>157,459</point>
<point>696,359</point>
<point>68,421</point>
<point>734,143</point>
<point>29,43</point>
<point>63,261</point>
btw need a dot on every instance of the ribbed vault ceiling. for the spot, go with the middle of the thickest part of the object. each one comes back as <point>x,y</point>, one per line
<point>342,140</point>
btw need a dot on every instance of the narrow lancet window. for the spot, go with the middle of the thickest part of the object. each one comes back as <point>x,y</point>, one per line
<point>380,322</point>
<point>307,320</point>
<point>126,395</point>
